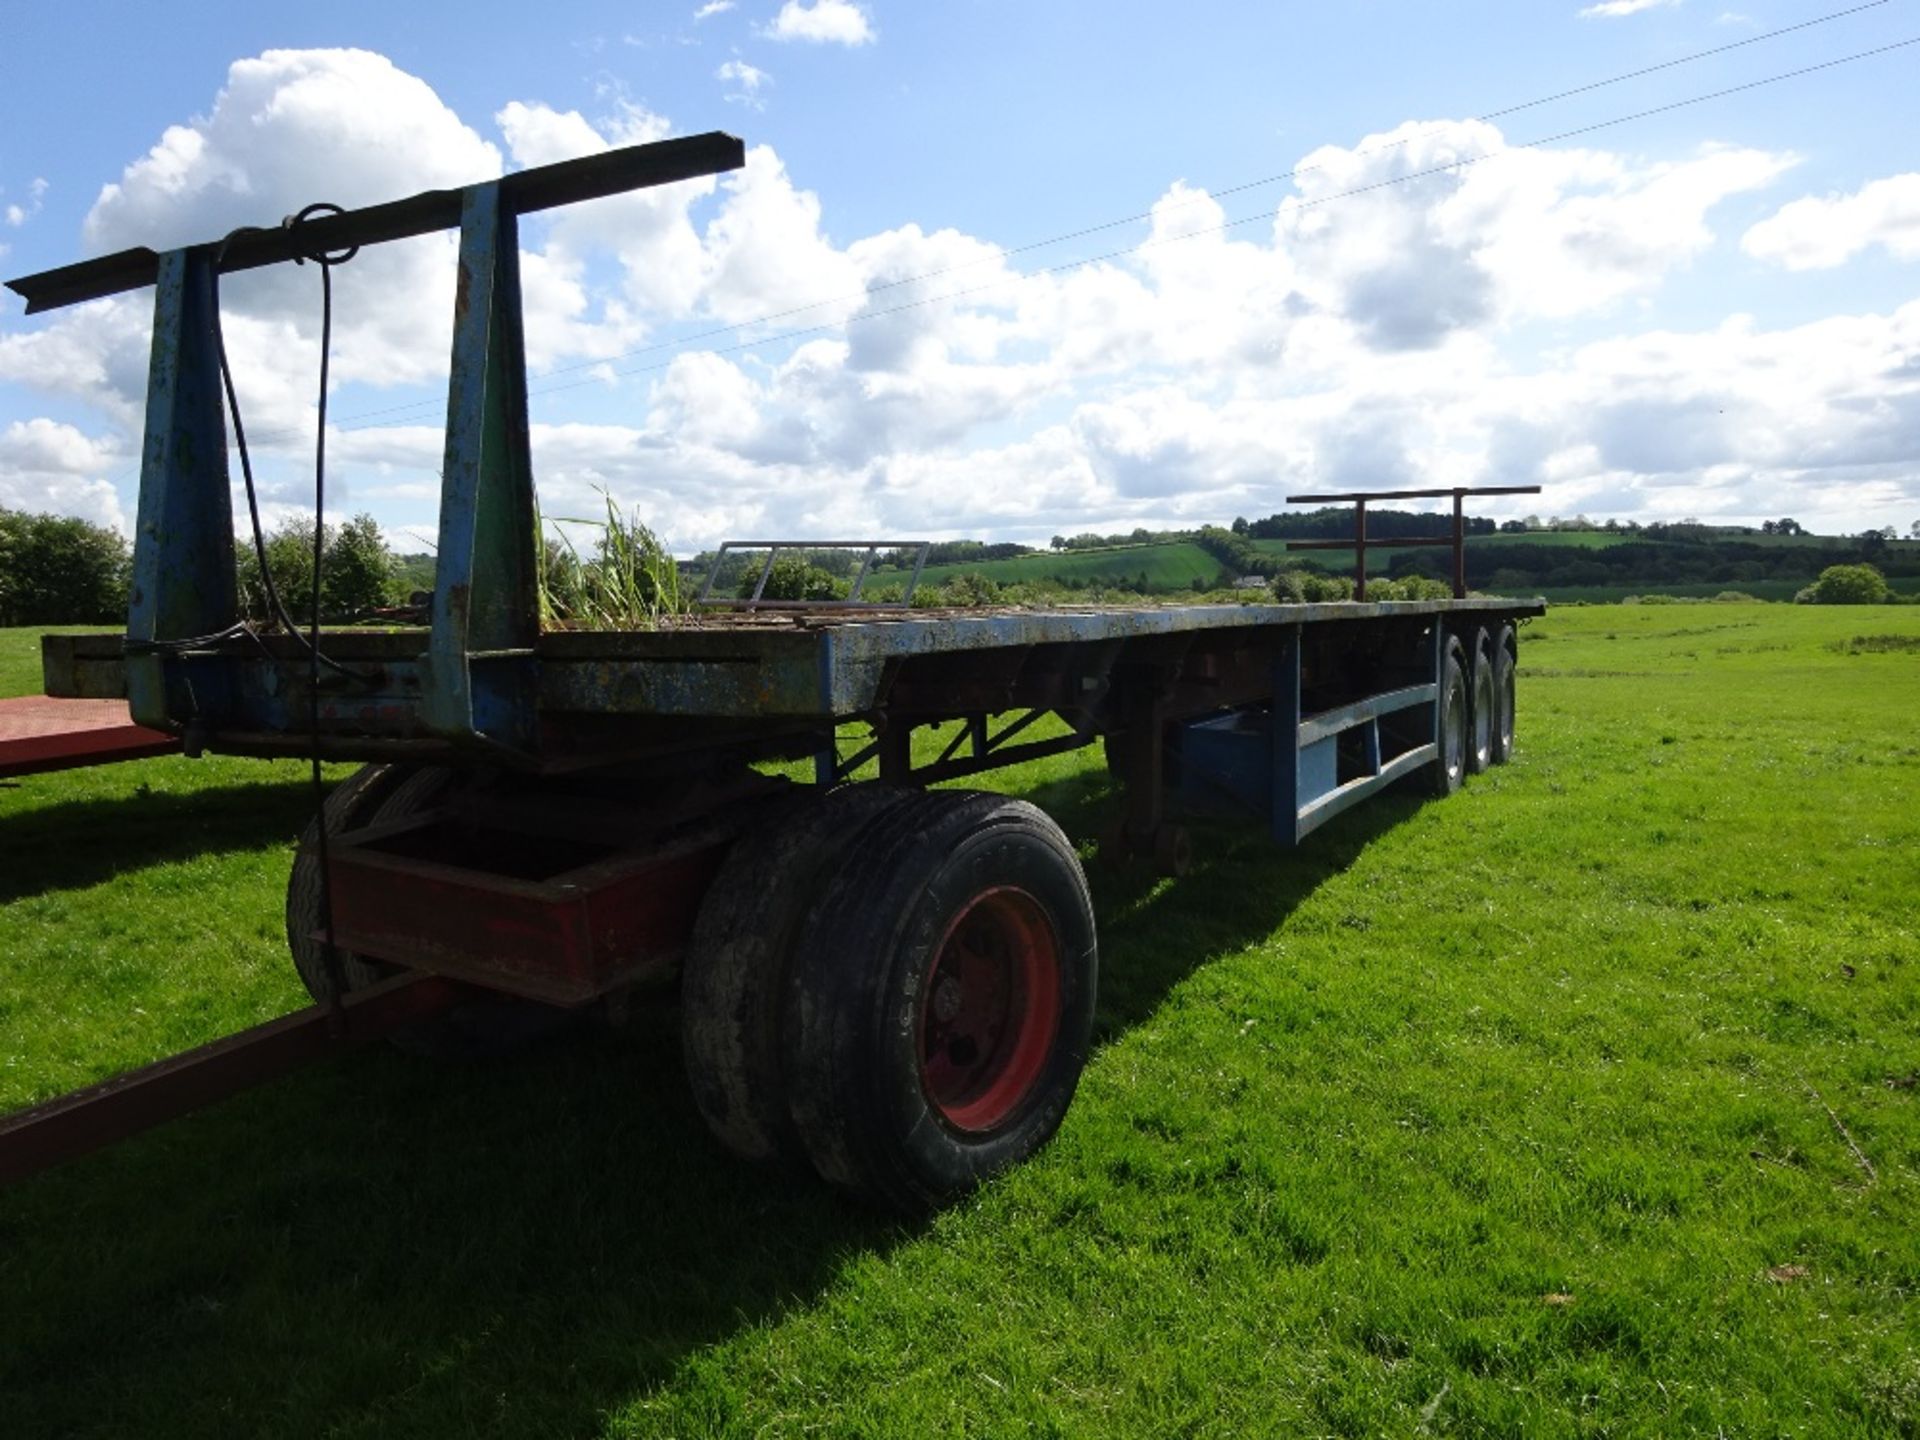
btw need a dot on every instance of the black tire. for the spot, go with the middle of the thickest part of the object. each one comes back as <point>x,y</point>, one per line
<point>1449,768</point>
<point>1482,706</point>
<point>349,805</point>
<point>907,1086</point>
<point>1504,663</point>
<point>734,979</point>
<point>486,1027</point>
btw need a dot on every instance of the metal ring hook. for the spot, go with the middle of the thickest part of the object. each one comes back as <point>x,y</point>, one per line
<point>293,223</point>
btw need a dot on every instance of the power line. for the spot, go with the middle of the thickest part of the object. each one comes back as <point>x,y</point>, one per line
<point>833,326</point>
<point>685,341</point>
<point>1450,166</point>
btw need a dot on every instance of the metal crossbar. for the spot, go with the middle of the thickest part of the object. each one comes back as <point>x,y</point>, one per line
<point>1359,499</point>
<point>758,601</point>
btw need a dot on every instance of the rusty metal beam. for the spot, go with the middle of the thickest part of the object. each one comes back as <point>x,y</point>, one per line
<point>39,733</point>
<point>1456,538</point>
<point>85,1120</point>
<point>1440,494</point>
<point>523,192</point>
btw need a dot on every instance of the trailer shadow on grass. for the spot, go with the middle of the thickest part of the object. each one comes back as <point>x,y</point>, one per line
<point>384,1245</point>
<point>76,843</point>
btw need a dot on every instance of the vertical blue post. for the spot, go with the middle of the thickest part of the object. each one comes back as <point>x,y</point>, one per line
<point>1285,739</point>
<point>480,670</point>
<point>183,579</point>
<point>1439,690</point>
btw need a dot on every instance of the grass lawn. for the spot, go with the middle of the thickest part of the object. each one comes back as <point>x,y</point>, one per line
<point>1584,1103</point>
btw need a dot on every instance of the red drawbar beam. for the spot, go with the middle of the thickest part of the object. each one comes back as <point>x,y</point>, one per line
<point>39,733</point>
<point>86,1120</point>
<point>565,941</point>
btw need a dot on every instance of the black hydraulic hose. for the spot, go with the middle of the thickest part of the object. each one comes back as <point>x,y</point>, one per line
<point>336,979</point>
<point>276,606</point>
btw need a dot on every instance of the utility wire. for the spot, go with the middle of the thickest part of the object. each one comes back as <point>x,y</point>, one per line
<point>1450,166</point>
<point>1064,266</point>
<point>684,341</point>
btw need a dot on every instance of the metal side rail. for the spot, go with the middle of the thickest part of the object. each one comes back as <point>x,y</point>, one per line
<point>86,1120</point>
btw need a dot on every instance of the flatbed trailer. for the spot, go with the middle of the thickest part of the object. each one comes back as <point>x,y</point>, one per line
<point>884,977</point>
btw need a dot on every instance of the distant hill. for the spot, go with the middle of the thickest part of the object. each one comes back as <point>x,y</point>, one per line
<point>1149,568</point>
<point>1559,558</point>
<point>1592,564</point>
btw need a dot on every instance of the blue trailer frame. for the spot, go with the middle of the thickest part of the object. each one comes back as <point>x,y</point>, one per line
<point>582,789</point>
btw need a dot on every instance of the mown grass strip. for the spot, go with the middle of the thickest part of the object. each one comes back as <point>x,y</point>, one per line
<point>1502,1116</point>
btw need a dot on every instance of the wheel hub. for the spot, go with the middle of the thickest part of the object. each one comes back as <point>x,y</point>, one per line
<point>947,1000</point>
<point>992,1010</point>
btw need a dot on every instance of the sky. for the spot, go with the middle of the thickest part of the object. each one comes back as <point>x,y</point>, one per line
<point>1015,268</point>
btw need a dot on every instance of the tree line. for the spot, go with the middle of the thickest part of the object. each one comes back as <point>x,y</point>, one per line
<point>58,570</point>
<point>1504,567</point>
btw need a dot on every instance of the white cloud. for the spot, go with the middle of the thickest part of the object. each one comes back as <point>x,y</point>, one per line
<point>835,22</point>
<point>49,467</point>
<point>712,8</point>
<point>290,128</point>
<point>1818,233</point>
<point>1614,9</point>
<point>1436,227</point>
<point>18,215</point>
<point>746,81</point>
<point>1355,333</point>
<point>662,266</point>
<point>766,252</point>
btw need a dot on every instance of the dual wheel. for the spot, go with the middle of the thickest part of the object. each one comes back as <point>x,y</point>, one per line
<point>896,987</point>
<point>1476,706</point>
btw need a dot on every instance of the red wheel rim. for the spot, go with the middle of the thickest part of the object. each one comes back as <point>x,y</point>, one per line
<point>990,1010</point>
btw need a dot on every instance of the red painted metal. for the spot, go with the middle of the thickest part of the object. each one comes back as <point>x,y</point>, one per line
<point>991,1010</point>
<point>447,901</point>
<point>1456,538</point>
<point>85,1120</point>
<point>40,733</point>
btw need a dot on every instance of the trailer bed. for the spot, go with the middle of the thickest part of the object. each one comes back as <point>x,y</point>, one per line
<point>750,672</point>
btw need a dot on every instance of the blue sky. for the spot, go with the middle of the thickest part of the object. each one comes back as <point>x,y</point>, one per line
<point>1710,311</point>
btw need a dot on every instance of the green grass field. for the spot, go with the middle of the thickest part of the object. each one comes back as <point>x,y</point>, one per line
<point>1758,589</point>
<point>1176,566</point>
<point>1585,1103</point>
<point>1379,557</point>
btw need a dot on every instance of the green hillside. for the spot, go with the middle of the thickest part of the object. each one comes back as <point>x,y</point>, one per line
<point>1379,557</point>
<point>1565,564</point>
<point>1172,566</point>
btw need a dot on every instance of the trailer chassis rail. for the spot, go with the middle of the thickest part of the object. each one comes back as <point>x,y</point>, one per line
<point>85,1120</point>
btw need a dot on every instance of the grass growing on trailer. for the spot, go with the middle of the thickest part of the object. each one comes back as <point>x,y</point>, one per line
<point>1582,1103</point>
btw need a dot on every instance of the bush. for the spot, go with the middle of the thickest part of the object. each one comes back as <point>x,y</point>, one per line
<point>1736,597</point>
<point>792,579</point>
<point>357,571</point>
<point>1289,588</point>
<point>968,590</point>
<point>56,570</point>
<point>1409,587</point>
<point>1324,589</point>
<point>1846,585</point>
